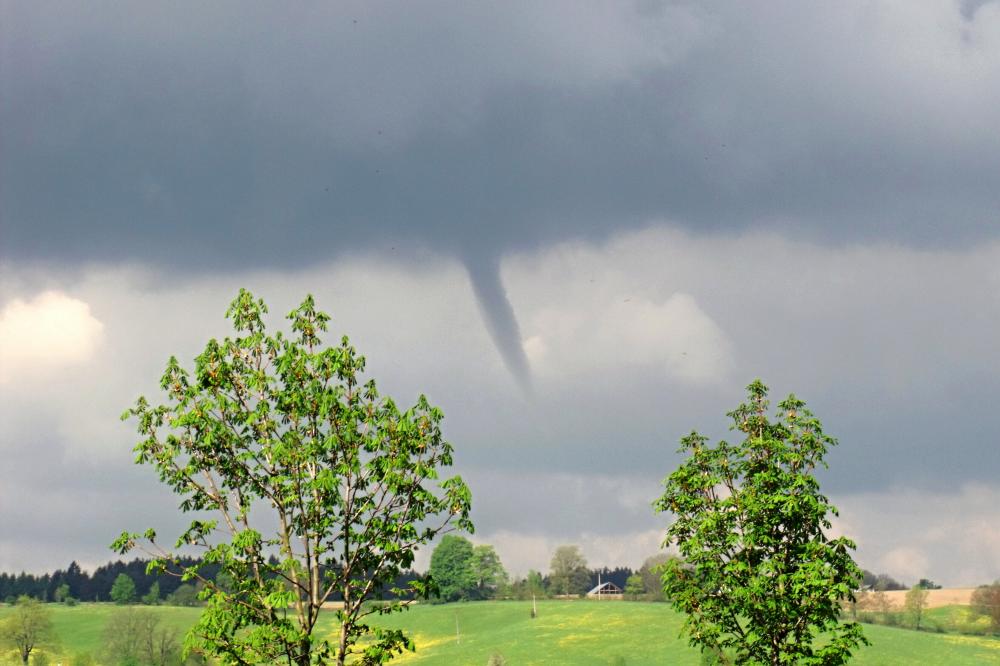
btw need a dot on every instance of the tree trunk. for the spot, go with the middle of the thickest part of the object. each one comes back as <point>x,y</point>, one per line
<point>342,646</point>
<point>342,642</point>
<point>305,652</point>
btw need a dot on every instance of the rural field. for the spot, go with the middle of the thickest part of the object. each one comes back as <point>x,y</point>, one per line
<point>565,632</point>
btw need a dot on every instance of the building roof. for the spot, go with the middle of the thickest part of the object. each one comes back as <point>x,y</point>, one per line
<point>606,588</point>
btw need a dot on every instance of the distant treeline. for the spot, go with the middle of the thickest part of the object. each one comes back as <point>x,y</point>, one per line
<point>96,586</point>
<point>619,576</point>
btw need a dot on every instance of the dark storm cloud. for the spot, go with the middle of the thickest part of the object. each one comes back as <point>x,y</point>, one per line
<point>204,139</point>
<point>210,138</point>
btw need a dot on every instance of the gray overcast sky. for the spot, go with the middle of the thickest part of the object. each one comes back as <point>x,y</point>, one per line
<point>582,228</point>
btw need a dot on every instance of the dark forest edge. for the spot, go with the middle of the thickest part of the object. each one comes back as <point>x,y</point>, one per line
<point>85,586</point>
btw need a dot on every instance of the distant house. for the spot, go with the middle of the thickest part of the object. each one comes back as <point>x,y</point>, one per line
<point>605,591</point>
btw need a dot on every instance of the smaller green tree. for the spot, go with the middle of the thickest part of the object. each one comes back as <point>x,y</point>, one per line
<point>488,571</point>
<point>652,573</point>
<point>986,601</point>
<point>152,598</point>
<point>634,586</point>
<point>915,604</point>
<point>760,578</point>
<point>61,593</point>
<point>27,627</point>
<point>451,568</point>
<point>568,571</point>
<point>535,583</point>
<point>123,590</point>
<point>185,595</point>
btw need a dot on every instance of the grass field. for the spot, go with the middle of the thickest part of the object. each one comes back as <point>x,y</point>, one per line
<point>565,632</point>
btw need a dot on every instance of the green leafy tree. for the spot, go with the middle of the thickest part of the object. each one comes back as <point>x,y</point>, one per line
<point>535,583</point>
<point>27,627</point>
<point>568,572</point>
<point>451,568</point>
<point>488,571</point>
<point>652,574</point>
<point>915,604</point>
<point>760,578</point>
<point>291,452</point>
<point>152,598</point>
<point>123,590</point>
<point>986,601</point>
<point>61,593</point>
<point>184,595</point>
<point>634,586</point>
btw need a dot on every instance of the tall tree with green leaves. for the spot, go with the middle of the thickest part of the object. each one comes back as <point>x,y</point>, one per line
<point>451,568</point>
<point>568,571</point>
<point>27,627</point>
<point>760,578</point>
<point>488,571</point>
<point>123,590</point>
<point>310,486</point>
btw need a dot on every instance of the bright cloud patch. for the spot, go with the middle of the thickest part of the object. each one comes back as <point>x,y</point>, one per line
<point>620,331</point>
<point>952,537</point>
<point>51,330</point>
<point>615,309</point>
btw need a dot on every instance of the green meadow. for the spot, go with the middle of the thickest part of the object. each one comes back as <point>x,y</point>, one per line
<point>565,632</point>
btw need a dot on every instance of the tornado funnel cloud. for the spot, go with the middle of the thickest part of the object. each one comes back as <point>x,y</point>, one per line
<point>498,315</point>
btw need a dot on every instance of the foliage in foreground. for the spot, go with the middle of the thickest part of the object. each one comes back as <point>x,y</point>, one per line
<point>28,627</point>
<point>759,578</point>
<point>280,431</point>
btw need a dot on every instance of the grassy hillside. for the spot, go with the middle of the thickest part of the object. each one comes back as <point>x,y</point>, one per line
<point>80,627</point>
<point>565,632</point>
<point>579,632</point>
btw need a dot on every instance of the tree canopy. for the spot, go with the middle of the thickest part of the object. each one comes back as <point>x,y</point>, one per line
<point>488,571</point>
<point>760,578</point>
<point>451,568</point>
<point>568,571</point>
<point>316,486</point>
<point>123,590</point>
